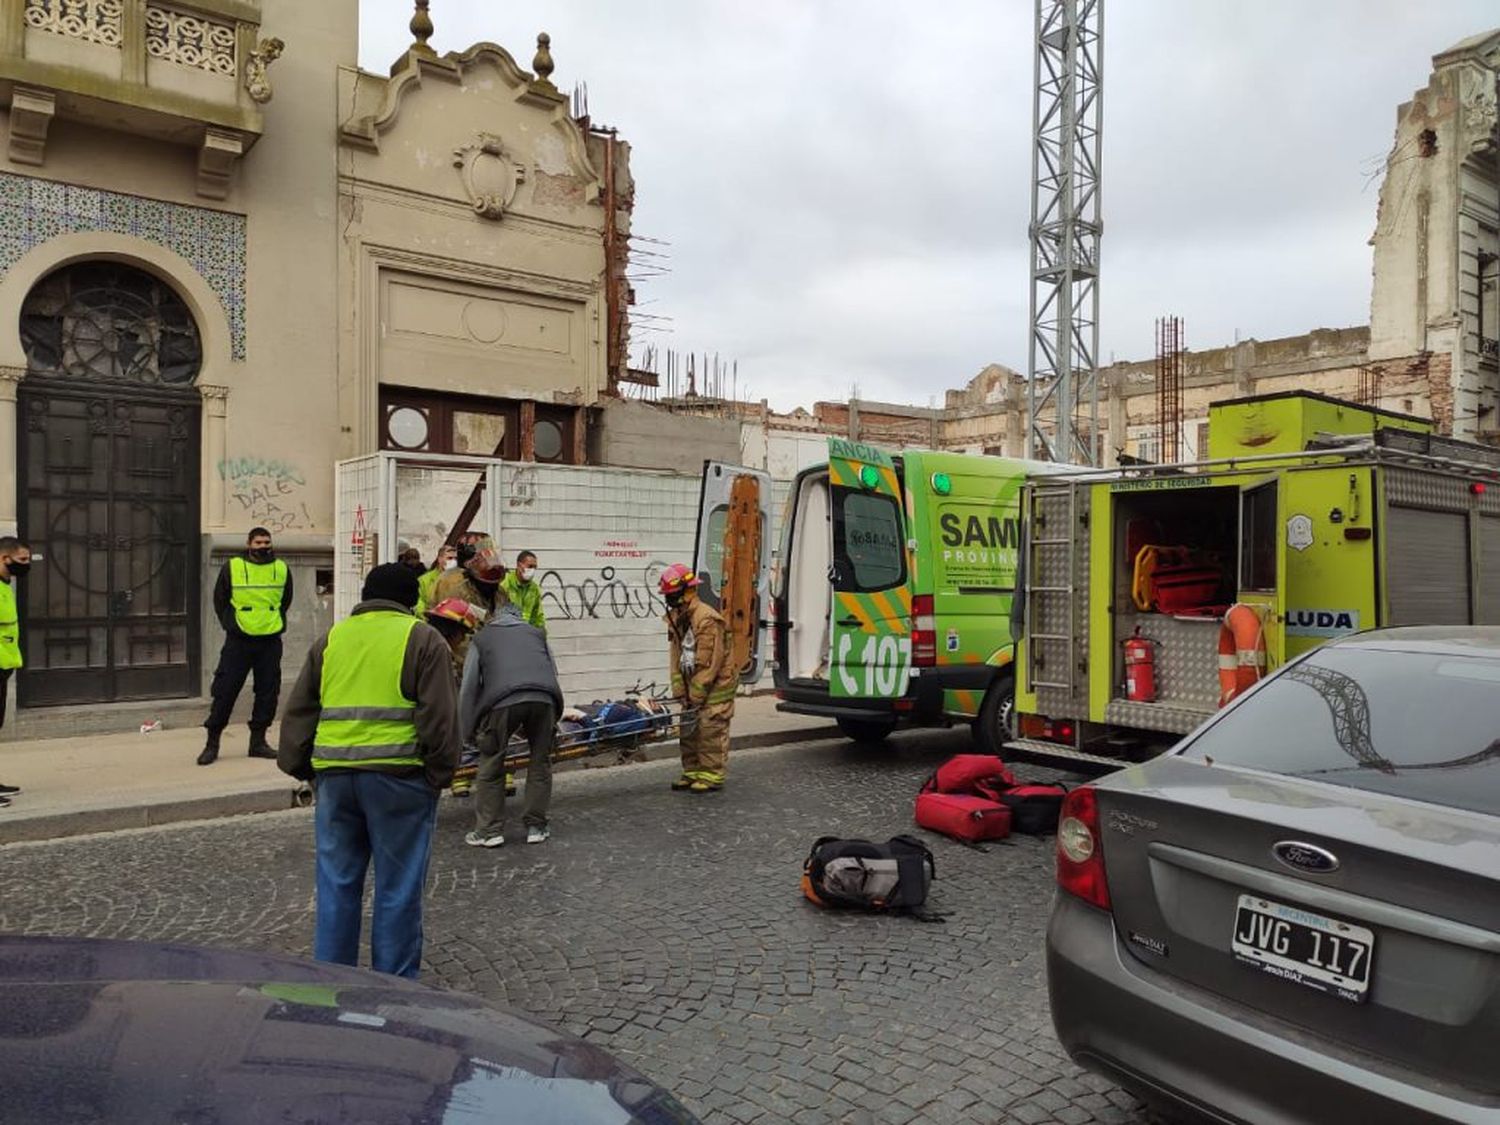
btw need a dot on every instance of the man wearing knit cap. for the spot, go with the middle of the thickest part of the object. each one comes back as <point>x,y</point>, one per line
<point>372,721</point>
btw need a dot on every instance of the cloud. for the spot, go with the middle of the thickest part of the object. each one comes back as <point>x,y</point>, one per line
<point>846,186</point>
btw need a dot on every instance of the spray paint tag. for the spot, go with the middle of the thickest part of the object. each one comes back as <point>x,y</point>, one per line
<point>952,640</point>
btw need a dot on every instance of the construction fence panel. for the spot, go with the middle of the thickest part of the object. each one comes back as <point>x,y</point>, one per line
<point>356,527</point>
<point>602,538</point>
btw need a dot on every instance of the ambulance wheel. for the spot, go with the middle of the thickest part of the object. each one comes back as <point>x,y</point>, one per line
<point>867,730</point>
<point>997,717</point>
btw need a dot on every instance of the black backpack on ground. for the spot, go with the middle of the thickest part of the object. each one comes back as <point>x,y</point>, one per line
<point>860,875</point>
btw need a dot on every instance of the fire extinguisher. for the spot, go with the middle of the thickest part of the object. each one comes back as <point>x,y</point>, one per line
<point>1140,669</point>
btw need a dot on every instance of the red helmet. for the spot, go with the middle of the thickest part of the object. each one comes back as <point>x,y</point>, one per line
<point>486,566</point>
<point>456,609</point>
<point>678,577</point>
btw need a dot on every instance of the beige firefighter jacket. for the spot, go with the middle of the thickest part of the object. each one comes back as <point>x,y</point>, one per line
<point>701,661</point>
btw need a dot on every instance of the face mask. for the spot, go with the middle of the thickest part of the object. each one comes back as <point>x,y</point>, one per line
<point>525,573</point>
<point>18,569</point>
<point>485,587</point>
<point>262,554</point>
<point>674,601</point>
<point>450,564</point>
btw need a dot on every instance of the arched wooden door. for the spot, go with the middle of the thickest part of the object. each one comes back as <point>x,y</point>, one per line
<point>108,478</point>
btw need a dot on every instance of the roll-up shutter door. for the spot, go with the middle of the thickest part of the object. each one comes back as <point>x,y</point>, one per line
<point>1427,567</point>
<point>1489,570</point>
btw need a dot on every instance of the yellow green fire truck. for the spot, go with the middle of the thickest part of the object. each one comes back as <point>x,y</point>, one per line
<point>1321,517</point>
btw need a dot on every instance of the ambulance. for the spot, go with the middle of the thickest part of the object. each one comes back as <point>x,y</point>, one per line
<point>887,601</point>
<point>1154,594</point>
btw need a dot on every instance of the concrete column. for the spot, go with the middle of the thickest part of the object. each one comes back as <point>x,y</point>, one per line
<point>215,424</point>
<point>10,378</point>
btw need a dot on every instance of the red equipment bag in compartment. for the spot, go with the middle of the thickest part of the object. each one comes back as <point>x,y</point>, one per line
<point>970,819</point>
<point>962,773</point>
<point>1034,807</point>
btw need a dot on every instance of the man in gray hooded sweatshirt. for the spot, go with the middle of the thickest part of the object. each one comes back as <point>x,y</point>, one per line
<point>509,684</point>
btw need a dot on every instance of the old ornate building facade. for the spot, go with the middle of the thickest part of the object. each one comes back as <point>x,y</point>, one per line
<point>229,258</point>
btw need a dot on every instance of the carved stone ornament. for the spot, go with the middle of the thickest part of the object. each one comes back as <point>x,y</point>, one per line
<point>490,176</point>
<point>257,80</point>
<point>1477,92</point>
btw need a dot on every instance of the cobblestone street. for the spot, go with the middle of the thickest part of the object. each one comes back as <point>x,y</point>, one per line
<point>669,928</point>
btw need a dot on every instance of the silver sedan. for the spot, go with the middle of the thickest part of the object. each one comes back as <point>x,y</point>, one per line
<point>1294,915</point>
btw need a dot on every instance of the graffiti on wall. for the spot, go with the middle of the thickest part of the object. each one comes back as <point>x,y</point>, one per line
<point>266,493</point>
<point>621,596</point>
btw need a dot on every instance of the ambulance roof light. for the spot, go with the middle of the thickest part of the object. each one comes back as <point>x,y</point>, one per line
<point>942,483</point>
<point>869,476</point>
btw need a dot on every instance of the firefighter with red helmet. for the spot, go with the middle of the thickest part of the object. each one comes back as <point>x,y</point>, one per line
<point>704,678</point>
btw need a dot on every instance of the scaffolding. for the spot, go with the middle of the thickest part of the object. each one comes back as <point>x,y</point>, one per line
<point>1169,390</point>
<point>1062,365</point>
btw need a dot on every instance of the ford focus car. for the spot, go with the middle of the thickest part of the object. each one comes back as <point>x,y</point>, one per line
<point>1294,916</point>
<point>115,1031</point>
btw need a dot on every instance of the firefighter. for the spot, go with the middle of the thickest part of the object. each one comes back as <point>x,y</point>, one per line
<point>704,678</point>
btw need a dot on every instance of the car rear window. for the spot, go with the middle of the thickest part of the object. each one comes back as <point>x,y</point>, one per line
<point>1417,724</point>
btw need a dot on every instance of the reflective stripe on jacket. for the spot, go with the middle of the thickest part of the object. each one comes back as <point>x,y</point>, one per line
<point>10,627</point>
<point>256,590</point>
<point>365,719</point>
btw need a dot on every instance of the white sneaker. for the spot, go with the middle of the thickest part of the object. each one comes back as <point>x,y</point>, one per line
<point>537,834</point>
<point>475,840</point>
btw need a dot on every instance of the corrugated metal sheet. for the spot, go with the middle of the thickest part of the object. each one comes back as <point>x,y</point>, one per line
<point>1427,566</point>
<point>1489,571</point>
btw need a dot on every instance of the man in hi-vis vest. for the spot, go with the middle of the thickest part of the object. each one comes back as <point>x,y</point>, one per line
<point>251,598</point>
<point>373,723</point>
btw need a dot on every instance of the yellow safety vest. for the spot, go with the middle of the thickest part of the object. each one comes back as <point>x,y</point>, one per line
<point>10,628</point>
<point>366,720</point>
<point>256,590</point>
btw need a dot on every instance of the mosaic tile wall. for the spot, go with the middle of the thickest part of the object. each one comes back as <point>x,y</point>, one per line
<point>33,211</point>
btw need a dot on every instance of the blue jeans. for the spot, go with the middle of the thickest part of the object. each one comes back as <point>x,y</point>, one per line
<point>360,815</point>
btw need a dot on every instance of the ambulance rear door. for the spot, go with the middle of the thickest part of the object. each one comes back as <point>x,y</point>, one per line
<point>732,555</point>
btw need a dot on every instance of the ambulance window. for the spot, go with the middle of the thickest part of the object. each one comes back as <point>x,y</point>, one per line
<point>1258,537</point>
<point>713,546</point>
<point>867,540</point>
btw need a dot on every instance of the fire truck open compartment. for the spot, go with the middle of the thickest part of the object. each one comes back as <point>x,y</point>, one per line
<point>1194,536</point>
<point>809,596</point>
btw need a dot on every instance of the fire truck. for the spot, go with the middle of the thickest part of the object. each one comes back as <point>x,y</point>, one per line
<point>1153,594</point>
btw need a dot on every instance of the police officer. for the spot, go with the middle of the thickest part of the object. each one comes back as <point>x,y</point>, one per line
<point>704,678</point>
<point>15,561</point>
<point>373,721</point>
<point>251,599</point>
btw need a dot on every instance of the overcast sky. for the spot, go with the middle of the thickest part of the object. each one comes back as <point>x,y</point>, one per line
<point>845,186</point>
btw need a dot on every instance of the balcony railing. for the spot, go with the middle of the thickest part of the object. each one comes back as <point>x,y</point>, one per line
<point>179,72</point>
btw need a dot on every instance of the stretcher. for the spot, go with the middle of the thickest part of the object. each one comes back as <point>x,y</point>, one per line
<point>667,721</point>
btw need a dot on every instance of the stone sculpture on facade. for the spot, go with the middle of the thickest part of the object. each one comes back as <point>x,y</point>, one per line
<point>257,67</point>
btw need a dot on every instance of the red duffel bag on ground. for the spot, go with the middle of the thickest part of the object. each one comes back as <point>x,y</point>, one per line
<point>963,773</point>
<point>963,817</point>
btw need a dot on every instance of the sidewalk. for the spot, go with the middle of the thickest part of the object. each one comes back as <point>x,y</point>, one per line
<point>101,783</point>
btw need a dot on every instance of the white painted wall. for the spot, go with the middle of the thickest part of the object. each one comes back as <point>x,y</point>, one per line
<point>602,537</point>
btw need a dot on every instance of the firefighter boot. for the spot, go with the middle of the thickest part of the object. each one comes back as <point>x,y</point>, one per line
<point>210,749</point>
<point>259,747</point>
<point>683,783</point>
<point>707,782</point>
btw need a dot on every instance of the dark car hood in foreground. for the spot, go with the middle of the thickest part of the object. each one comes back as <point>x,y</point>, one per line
<point>106,1031</point>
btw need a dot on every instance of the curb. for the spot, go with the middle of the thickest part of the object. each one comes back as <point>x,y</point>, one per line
<point>83,822</point>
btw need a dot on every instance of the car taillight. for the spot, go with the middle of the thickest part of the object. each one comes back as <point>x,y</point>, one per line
<point>923,631</point>
<point>1080,860</point>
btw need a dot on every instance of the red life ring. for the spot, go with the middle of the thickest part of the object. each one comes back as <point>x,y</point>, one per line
<point>1242,651</point>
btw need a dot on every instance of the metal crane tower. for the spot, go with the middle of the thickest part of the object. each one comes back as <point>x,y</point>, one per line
<point>1062,363</point>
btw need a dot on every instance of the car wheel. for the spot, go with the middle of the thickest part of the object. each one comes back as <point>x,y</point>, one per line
<point>867,730</point>
<point>996,724</point>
